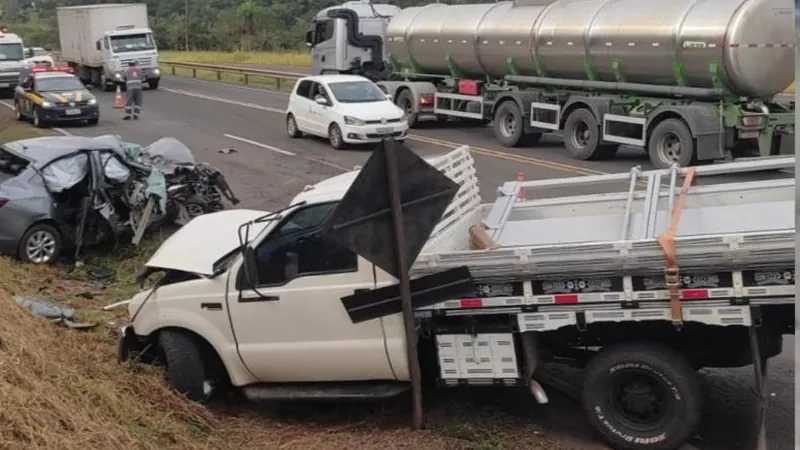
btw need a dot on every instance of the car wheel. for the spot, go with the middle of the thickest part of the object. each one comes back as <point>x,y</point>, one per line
<point>335,137</point>
<point>17,112</point>
<point>291,127</point>
<point>41,244</point>
<point>185,371</point>
<point>37,120</point>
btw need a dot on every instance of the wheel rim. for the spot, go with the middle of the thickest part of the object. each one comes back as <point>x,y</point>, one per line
<point>291,125</point>
<point>581,135</point>
<point>335,138</point>
<point>670,148</point>
<point>36,119</point>
<point>641,401</point>
<point>508,125</point>
<point>41,247</point>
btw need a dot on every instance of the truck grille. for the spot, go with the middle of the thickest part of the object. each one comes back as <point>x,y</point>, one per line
<point>144,62</point>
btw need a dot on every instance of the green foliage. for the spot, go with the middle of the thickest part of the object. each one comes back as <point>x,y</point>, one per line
<point>221,25</point>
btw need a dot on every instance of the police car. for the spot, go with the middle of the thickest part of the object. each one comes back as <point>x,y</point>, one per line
<point>48,95</point>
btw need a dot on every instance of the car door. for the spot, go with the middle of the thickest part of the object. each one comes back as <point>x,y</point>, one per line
<point>24,100</point>
<point>321,115</point>
<point>293,327</point>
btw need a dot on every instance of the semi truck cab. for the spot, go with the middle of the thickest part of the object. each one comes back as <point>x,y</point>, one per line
<point>124,44</point>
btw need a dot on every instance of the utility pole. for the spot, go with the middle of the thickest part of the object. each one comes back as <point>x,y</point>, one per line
<point>186,28</point>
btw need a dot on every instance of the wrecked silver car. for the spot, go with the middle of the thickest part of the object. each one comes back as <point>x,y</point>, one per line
<point>66,192</point>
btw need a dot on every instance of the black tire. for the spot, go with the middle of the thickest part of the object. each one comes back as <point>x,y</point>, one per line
<point>185,371</point>
<point>153,84</point>
<point>656,376</point>
<point>105,85</point>
<point>671,141</point>
<point>405,101</point>
<point>508,125</point>
<point>40,236</point>
<point>38,122</point>
<point>291,127</point>
<point>582,137</point>
<point>18,112</point>
<point>335,137</point>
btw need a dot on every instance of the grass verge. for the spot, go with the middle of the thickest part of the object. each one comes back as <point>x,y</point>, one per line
<point>297,59</point>
<point>63,389</point>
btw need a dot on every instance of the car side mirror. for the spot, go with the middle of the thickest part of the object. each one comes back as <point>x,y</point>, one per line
<point>309,38</point>
<point>292,267</point>
<point>389,97</point>
<point>250,267</point>
<point>321,101</point>
<point>97,44</point>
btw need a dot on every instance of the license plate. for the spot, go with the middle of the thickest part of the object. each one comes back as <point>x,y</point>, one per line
<point>5,85</point>
<point>73,112</point>
<point>384,130</point>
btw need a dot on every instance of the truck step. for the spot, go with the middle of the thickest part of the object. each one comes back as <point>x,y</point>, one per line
<point>372,390</point>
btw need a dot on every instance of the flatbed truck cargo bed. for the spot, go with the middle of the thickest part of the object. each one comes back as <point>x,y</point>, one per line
<point>641,287</point>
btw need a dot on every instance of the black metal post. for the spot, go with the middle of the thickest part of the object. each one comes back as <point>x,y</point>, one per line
<point>393,178</point>
<point>760,371</point>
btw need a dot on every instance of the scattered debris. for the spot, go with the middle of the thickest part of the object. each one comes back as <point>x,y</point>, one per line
<point>227,151</point>
<point>53,311</point>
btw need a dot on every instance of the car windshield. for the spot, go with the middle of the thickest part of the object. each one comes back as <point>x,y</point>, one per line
<point>11,52</point>
<point>132,43</point>
<point>56,84</point>
<point>356,92</point>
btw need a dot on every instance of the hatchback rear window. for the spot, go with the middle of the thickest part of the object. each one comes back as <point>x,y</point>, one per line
<point>11,165</point>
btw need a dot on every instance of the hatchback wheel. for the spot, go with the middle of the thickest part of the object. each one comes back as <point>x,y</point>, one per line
<point>41,244</point>
<point>291,127</point>
<point>335,137</point>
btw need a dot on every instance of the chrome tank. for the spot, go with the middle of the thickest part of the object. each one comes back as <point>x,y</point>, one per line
<point>752,40</point>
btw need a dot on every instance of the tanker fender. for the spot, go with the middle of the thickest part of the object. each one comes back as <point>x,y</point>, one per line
<point>703,121</point>
<point>416,88</point>
<point>523,99</point>
<point>599,106</point>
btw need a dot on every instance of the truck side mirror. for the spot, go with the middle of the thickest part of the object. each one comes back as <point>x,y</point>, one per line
<point>97,44</point>
<point>250,267</point>
<point>309,38</point>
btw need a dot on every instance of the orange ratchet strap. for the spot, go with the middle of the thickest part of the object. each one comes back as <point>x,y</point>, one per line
<point>667,242</point>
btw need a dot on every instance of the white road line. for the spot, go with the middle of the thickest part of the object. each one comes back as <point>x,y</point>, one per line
<point>259,144</point>
<point>223,100</point>
<point>60,131</point>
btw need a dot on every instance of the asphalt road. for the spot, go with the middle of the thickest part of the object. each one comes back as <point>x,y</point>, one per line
<point>268,168</point>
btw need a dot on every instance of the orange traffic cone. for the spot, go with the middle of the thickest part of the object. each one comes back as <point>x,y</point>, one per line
<point>118,102</point>
<point>520,179</point>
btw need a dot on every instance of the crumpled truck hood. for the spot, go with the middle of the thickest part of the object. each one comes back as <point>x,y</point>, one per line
<point>196,246</point>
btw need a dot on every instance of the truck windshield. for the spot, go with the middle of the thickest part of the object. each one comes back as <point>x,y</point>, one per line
<point>132,43</point>
<point>11,52</point>
<point>57,84</point>
<point>356,92</point>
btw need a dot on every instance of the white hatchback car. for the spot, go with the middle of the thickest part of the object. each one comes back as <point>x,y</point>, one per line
<point>346,109</point>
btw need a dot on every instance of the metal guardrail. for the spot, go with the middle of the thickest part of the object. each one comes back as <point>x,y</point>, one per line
<point>287,79</point>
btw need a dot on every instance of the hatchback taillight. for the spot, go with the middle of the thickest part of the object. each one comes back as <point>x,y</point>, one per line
<point>3,201</point>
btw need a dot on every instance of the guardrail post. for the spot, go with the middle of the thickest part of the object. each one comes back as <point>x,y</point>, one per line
<point>246,79</point>
<point>173,69</point>
<point>194,72</point>
<point>278,84</point>
<point>219,75</point>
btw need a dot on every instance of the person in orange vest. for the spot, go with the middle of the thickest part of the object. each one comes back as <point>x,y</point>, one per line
<point>134,78</point>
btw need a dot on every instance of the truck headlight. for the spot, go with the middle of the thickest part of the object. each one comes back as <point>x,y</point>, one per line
<point>118,75</point>
<point>92,101</point>
<point>156,72</point>
<point>349,120</point>
<point>47,105</point>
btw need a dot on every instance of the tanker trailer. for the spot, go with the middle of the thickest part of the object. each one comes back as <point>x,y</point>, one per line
<point>686,80</point>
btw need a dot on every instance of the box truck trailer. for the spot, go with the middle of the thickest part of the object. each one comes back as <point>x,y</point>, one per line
<point>99,41</point>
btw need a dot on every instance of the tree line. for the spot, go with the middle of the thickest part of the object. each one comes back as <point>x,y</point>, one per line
<point>221,25</point>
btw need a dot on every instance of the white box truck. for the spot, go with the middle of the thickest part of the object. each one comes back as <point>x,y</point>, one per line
<point>12,60</point>
<point>99,41</point>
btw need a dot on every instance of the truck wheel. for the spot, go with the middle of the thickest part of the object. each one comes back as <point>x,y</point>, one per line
<point>671,142</point>
<point>104,84</point>
<point>185,371</point>
<point>508,127</point>
<point>405,101</point>
<point>642,396</point>
<point>153,84</point>
<point>582,137</point>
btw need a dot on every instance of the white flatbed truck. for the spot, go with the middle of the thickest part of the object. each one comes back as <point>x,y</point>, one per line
<point>581,278</point>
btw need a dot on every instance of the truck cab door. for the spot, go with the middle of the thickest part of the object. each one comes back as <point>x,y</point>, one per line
<point>293,327</point>
<point>323,49</point>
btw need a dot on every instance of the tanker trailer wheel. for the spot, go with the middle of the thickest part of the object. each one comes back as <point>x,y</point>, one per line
<point>405,101</point>
<point>582,137</point>
<point>509,129</point>
<point>671,142</point>
<point>642,396</point>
